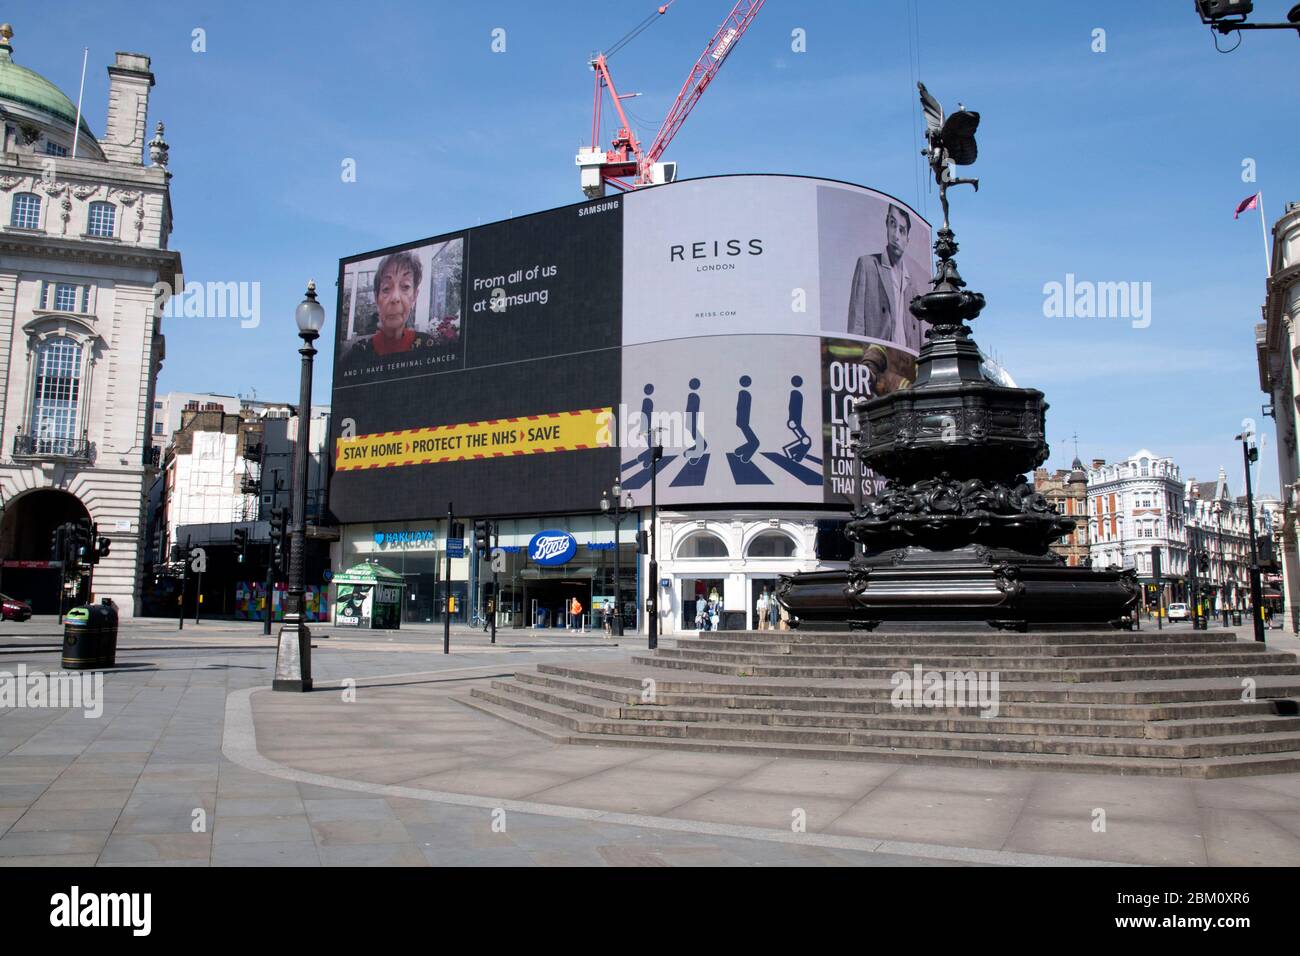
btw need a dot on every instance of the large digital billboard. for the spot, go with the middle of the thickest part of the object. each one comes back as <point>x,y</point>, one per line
<point>517,368</point>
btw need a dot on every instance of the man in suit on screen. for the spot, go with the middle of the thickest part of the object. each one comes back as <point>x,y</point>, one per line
<point>883,288</point>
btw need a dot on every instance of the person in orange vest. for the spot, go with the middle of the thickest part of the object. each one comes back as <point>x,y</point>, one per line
<point>575,614</point>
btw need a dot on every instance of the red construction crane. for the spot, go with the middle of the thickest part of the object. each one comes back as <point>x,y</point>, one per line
<point>625,165</point>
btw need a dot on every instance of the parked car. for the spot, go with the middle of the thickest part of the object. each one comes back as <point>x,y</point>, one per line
<point>12,609</point>
<point>1178,612</point>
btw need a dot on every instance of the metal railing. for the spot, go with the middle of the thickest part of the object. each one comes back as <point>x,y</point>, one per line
<point>41,446</point>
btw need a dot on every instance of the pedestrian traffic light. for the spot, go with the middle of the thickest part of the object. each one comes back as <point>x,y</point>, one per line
<point>241,544</point>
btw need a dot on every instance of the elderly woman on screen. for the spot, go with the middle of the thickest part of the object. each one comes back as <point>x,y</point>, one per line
<point>396,286</point>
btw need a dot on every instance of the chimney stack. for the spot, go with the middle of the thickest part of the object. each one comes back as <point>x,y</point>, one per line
<point>129,81</point>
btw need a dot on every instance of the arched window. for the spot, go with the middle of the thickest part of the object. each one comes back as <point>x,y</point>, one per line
<point>26,211</point>
<point>771,544</point>
<point>702,545</point>
<point>103,216</point>
<point>56,397</point>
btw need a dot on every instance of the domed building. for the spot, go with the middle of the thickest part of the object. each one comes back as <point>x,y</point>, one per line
<point>84,226</point>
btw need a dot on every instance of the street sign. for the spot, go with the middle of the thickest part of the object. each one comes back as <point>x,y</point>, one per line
<point>456,547</point>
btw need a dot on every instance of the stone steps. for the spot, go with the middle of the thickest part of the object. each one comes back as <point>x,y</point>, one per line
<point>740,666</point>
<point>1081,651</point>
<point>912,740</point>
<point>1152,706</point>
<point>729,696</point>
<point>554,724</point>
<point>966,722</point>
<point>633,679</point>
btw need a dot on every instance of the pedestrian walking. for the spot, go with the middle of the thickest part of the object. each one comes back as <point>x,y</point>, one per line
<point>575,614</point>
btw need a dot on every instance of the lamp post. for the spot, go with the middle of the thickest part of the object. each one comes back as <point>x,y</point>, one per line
<point>1223,566</point>
<point>1249,454</point>
<point>293,658</point>
<point>656,453</point>
<point>615,509</point>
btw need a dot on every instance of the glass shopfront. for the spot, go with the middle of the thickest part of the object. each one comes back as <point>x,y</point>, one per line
<point>530,595</point>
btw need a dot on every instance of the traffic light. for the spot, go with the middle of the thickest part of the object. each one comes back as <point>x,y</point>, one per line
<point>279,530</point>
<point>102,546</point>
<point>482,534</point>
<point>1203,562</point>
<point>59,543</point>
<point>241,544</point>
<point>1266,553</point>
<point>80,538</point>
<point>457,531</point>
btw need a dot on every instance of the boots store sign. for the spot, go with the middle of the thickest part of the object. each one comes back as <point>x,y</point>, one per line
<point>552,547</point>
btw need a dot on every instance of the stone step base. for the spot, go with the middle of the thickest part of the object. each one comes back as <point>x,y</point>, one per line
<point>1146,766</point>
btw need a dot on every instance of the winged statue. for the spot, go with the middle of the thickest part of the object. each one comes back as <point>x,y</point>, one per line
<point>952,143</point>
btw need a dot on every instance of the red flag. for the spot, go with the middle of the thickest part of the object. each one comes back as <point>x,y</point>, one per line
<point>1248,203</point>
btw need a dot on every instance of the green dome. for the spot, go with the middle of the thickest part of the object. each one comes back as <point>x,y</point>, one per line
<point>28,88</point>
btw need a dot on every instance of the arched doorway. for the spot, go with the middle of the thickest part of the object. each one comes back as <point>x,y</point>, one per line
<point>26,532</point>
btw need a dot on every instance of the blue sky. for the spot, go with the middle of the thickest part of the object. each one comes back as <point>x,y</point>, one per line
<point>1117,166</point>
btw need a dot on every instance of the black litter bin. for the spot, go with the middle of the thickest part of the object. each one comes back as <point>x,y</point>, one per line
<point>90,637</point>
<point>1236,618</point>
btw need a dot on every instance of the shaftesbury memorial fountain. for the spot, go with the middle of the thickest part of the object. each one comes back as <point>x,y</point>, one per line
<point>957,534</point>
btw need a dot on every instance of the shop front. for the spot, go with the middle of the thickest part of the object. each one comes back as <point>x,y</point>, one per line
<point>721,567</point>
<point>543,566</point>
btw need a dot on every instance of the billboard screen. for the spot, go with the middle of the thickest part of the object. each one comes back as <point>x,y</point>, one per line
<point>516,368</point>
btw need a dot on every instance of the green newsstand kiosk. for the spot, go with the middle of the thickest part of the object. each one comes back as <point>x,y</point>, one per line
<point>369,596</point>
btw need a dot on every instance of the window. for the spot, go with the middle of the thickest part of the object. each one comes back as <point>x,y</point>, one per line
<point>54,149</point>
<point>26,211</point>
<point>771,544</point>
<point>157,428</point>
<point>702,545</point>
<point>102,217</point>
<point>57,398</point>
<point>65,297</point>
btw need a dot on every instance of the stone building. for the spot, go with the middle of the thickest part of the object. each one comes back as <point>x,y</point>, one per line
<point>1134,506</point>
<point>1068,492</point>
<point>1277,343</point>
<point>84,226</point>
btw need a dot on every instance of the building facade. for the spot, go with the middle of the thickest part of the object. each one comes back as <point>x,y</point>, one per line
<point>1277,341</point>
<point>84,227</point>
<point>1134,506</point>
<point>223,471</point>
<point>1068,493</point>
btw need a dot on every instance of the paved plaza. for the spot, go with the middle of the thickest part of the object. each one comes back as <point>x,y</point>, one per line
<point>194,762</point>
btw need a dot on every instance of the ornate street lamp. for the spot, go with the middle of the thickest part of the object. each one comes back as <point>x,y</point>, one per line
<point>1250,455</point>
<point>614,509</point>
<point>293,659</point>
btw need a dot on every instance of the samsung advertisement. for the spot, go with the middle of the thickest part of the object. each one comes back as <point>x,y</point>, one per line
<point>517,368</point>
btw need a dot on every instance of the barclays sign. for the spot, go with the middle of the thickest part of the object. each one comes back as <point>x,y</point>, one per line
<point>552,547</point>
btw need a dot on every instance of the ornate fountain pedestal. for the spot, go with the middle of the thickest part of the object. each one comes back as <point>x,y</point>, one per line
<point>957,534</point>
